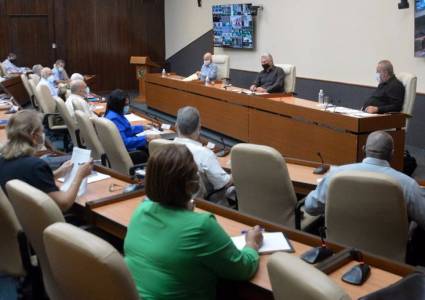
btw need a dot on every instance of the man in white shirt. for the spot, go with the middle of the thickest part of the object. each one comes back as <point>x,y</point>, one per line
<point>48,80</point>
<point>188,126</point>
<point>76,100</point>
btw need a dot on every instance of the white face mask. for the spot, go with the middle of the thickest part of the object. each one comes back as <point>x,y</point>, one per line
<point>378,77</point>
<point>87,90</point>
<point>126,109</point>
<point>51,79</point>
<point>207,62</point>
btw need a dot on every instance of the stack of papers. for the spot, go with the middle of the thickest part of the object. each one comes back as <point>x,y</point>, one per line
<point>272,242</point>
<point>192,77</point>
<point>351,112</point>
<point>151,131</point>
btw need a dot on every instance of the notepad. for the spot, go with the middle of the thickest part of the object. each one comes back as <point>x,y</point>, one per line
<point>272,242</point>
<point>79,156</point>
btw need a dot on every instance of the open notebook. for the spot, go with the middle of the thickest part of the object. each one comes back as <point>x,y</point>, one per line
<point>272,242</point>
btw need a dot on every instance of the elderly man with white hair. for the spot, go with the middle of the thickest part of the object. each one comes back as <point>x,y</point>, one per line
<point>270,79</point>
<point>76,100</point>
<point>209,69</point>
<point>76,76</point>
<point>48,80</point>
<point>188,125</point>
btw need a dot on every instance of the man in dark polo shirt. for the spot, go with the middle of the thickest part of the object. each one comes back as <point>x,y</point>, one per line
<point>389,95</point>
<point>270,79</point>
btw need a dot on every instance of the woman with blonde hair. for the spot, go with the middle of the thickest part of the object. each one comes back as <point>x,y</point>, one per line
<point>25,135</point>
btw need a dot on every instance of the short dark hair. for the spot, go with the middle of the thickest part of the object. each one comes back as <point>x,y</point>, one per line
<point>116,101</point>
<point>60,61</point>
<point>171,176</point>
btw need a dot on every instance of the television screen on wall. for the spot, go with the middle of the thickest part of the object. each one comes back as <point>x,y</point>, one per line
<point>233,26</point>
<point>420,28</point>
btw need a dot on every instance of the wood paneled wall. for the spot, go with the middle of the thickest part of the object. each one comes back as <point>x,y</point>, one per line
<point>93,36</point>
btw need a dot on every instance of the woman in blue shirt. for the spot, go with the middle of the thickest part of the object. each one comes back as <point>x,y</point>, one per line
<point>117,107</point>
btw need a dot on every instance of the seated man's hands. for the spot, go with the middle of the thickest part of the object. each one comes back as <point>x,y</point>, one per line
<point>372,109</point>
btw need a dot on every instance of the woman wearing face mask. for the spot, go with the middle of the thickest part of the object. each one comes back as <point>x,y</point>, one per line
<point>174,252</point>
<point>118,106</point>
<point>17,161</point>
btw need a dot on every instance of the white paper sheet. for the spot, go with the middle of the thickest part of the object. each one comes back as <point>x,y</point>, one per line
<point>272,242</point>
<point>149,132</point>
<point>133,118</point>
<point>79,156</point>
<point>192,77</point>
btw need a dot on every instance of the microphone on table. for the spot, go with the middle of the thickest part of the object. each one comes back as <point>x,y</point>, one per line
<point>320,253</point>
<point>322,169</point>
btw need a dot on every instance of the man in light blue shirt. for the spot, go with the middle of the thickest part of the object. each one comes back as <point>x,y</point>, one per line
<point>48,79</point>
<point>209,69</point>
<point>10,67</point>
<point>379,149</point>
<point>59,72</point>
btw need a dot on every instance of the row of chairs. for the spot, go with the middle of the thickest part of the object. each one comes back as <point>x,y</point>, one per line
<point>70,257</point>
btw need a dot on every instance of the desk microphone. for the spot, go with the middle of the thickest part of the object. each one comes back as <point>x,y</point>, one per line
<point>318,254</point>
<point>223,152</point>
<point>322,169</point>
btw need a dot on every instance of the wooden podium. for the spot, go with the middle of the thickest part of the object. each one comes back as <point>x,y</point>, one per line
<point>143,66</point>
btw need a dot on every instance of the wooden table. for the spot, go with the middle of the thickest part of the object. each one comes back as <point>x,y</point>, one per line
<point>296,127</point>
<point>14,86</point>
<point>113,216</point>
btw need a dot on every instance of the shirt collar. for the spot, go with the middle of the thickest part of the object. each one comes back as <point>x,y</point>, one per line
<point>184,140</point>
<point>376,162</point>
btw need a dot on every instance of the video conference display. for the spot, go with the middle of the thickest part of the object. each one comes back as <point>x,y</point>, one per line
<point>420,28</point>
<point>233,26</point>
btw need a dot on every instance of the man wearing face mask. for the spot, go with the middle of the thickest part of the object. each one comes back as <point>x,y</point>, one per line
<point>389,95</point>
<point>209,69</point>
<point>76,100</point>
<point>48,79</point>
<point>59,72</point>
<point>10,67</point>
<point>270,79</point>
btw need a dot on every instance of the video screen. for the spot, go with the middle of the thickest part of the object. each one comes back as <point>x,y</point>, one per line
<point>420,28</point>
<point>233,26</point>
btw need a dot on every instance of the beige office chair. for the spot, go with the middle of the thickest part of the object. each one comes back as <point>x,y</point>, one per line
<point>3,72</point>
<point>115,150</point>
<point>10,256</point>
<point>89,136</point>
<point>223,65</point>
<point>290,77</point>
<point>262,183</point>
<point>292,278</point>
<point>70,123</point>
<point>87,267</point>
<point>77,106</point>
<point>156,144</point>
<point>33,85</point>
<point>27,86</point>
<point>409,82</point>
<point>36,211</point>
<point>367,210</point>
<point>35,77</point>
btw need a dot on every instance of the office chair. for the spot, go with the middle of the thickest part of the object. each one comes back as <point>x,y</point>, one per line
<point>409,82</point>
<point>80,258</point>
<point>367,210</point>
<point>70,123</point>
<point>223,65</point>
<point>292,278</point>
<point>36,211</point>
<point>89,136</point>
<point>290,77</point>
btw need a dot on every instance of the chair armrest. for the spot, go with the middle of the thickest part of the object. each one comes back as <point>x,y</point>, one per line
<point>299,213</point>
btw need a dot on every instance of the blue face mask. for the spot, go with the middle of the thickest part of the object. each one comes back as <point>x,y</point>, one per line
<point>126,109</point>
<point>51,79</point>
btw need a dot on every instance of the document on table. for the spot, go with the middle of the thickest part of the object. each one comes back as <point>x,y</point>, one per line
<point>79,156</point>
<point>272,242</point>
<point>351,112</point>
<point>149,132</point>
<point>133,118</point>
<point>192,77</point>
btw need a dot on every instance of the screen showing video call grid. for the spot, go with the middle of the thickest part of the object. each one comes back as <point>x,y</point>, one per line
<point>233,26</point>
<point>420,28</point>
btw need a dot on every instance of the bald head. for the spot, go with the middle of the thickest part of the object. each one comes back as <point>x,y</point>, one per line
<point>46,72</point>
<point>78,87</point>
<point>207,56</point>
<point>379,145</point>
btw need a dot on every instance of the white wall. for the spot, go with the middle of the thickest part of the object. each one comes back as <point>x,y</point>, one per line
<point>335,40</point>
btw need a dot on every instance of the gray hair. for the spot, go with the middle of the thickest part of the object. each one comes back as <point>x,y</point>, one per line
<point>188,120</point>
<point>76,85</point>
<point>269,56</point>
<point>379,145</point>
<point>36,69</point>
<point>77,76</point>
<point>387,66</point>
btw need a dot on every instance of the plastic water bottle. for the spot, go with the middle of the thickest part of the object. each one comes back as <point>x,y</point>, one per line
<point>164,73</point>
<point>207,81</point>
<point>321,97</point>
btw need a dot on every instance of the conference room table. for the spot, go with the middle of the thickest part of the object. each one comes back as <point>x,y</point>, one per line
<point>296,127</point>
<point>14,86</point>
<point>113,215</point>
